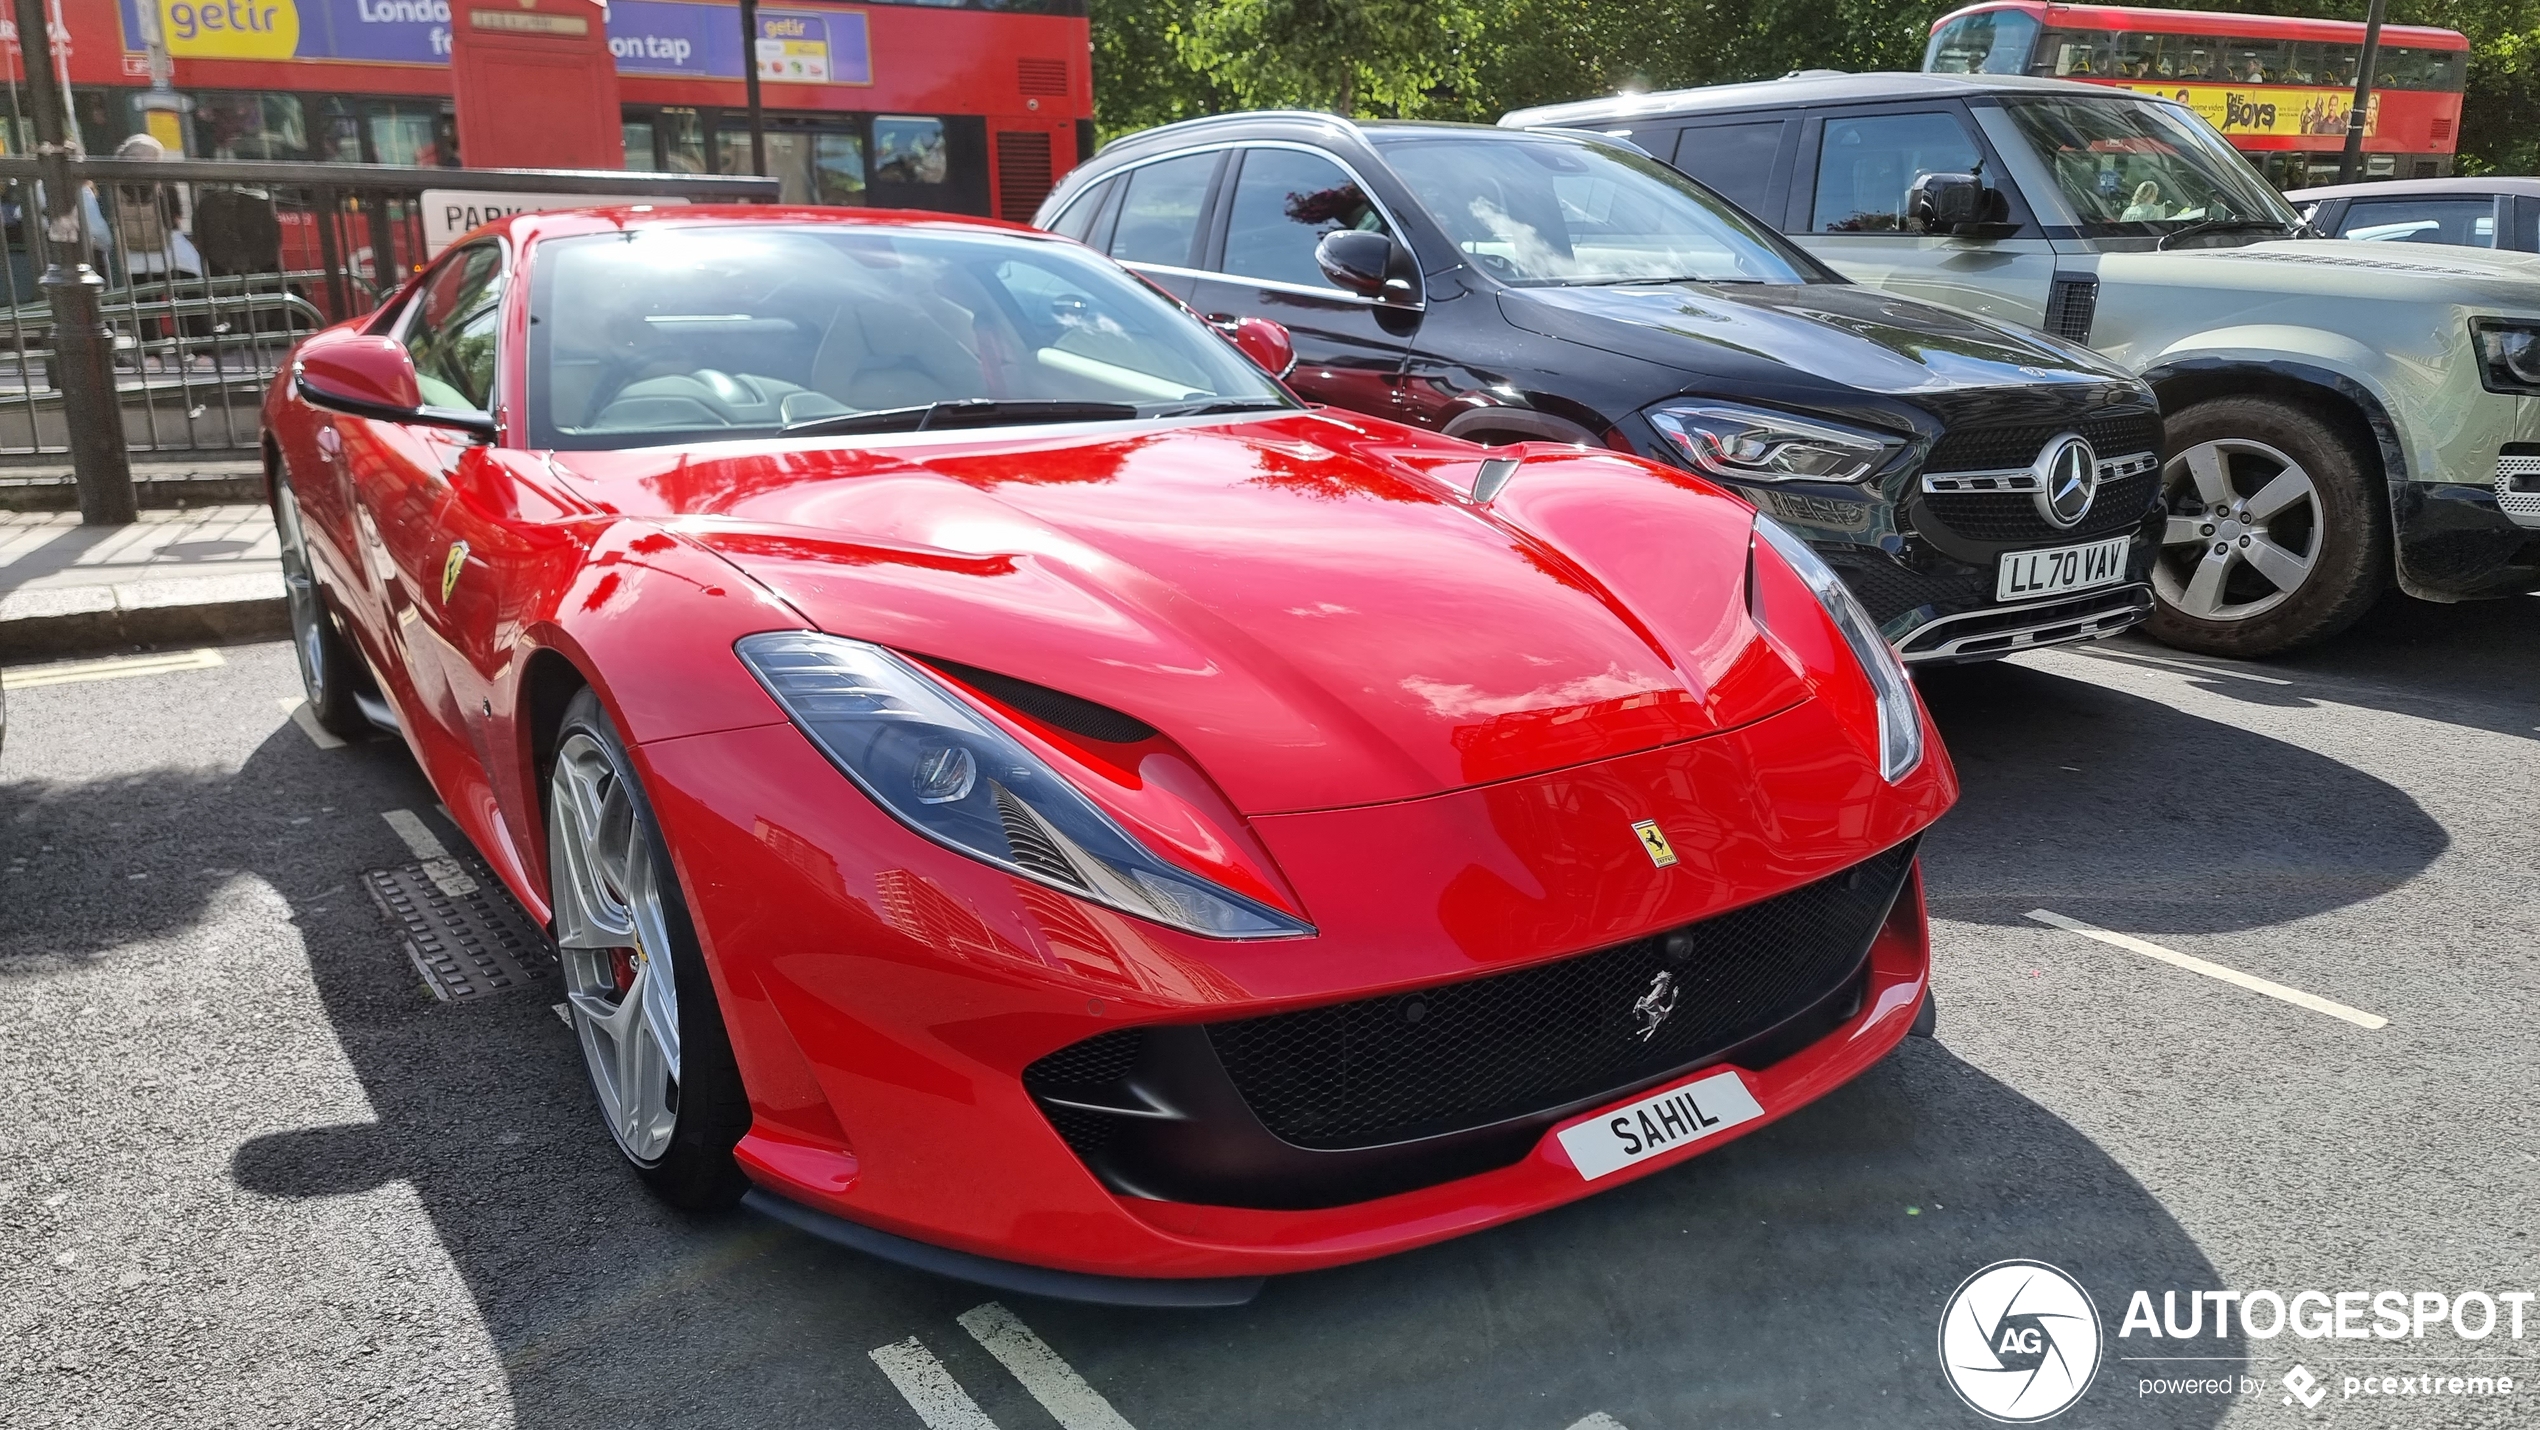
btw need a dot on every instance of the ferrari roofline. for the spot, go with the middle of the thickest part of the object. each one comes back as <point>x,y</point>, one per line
<point>533,225</point>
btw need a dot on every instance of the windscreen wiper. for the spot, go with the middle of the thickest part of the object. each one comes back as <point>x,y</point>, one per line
<point>2224,225</point>
<point>962,412</point>
<point>1210,407</point>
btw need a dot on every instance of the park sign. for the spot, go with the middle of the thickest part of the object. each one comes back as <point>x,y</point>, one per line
<point>450,213</point>
<point>696,39</point>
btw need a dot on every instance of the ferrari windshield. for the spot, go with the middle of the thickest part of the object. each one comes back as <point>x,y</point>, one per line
<point>1542,209</point>
<point>2136,168</point>
<point>673,334</point>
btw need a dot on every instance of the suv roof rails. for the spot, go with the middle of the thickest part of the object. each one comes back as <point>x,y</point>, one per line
<point>1208,120</point>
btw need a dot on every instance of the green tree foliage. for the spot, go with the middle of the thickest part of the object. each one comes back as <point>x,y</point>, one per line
<point>1160,60</point>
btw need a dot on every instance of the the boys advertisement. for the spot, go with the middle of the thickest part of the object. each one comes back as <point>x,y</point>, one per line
<point>662,37</point>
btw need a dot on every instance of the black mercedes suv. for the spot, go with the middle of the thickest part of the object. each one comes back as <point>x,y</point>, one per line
<point>1983,488</point>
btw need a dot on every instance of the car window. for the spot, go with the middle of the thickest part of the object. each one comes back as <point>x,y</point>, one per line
<point>2466,220</point>
<point>1159,217</point>
<point>451,335</point>
<point>720,332</point>
<point>1077,219</point>
<point>2137,168</point>
<point>1285,201</point>
<point>1539,208</point>
<point>1736,160</point>
<point>1866,165</point>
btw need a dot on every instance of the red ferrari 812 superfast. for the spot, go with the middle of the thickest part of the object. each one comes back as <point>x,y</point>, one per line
<point>1015,791</point>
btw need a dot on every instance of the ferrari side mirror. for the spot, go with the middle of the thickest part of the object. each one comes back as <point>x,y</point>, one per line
<point>362,375</point>
<point>1266,343</point>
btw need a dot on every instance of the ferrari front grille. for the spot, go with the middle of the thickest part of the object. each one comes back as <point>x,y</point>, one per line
<point>1466,1054</point>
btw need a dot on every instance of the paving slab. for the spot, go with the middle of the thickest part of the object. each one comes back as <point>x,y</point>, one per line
<point>174,576</point>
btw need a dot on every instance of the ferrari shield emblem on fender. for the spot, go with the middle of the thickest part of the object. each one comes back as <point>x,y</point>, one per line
<point>457,562</point>
<point>1654,840</point>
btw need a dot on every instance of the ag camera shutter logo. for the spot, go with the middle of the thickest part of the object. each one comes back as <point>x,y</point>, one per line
<point>2019,1342</point>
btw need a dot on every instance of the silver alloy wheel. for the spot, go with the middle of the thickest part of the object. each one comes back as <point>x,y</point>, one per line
<point>299,584</point>
<point>2227,555</point>
<point>615,945</point>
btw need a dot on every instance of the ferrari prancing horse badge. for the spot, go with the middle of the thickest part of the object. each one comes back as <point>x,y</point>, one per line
<point>1654,839</point>
<point>457,561</point>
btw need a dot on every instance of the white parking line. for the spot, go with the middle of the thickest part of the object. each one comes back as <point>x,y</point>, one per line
<point>2233,976</point>
<point>301,716</point>
<point>1074,1404</point>
<point>930,1389</point>
<point>445,872</point>
<point>74,671</point>
<point>1598,1421</point>
<point>2131,655</point>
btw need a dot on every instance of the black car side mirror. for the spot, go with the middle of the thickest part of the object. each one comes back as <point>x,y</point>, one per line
<point>1957,204</point>
<point>1371,265</point>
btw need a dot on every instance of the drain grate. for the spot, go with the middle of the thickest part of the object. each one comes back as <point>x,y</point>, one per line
<point>465,935</point>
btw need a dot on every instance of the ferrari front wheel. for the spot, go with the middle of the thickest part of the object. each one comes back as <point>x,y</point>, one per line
<point>636,987</point>
<point>326,661</point>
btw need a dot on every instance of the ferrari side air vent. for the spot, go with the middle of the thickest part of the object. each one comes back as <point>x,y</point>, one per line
<point>1033,847</point>
<point>1056,707</point>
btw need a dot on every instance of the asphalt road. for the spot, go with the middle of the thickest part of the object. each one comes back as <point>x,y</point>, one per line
<point>253,1174</point>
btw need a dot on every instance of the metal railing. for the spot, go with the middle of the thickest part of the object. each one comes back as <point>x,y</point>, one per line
<point>212,271</point>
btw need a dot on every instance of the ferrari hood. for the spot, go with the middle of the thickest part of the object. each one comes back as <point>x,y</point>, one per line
<point>1315,611</point>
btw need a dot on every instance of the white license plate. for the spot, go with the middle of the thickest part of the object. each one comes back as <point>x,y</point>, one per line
<point>2027,574</point>
<point>1660,1122</point>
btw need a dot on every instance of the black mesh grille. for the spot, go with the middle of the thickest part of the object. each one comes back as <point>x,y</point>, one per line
<point>1998,449</point>
<point>1468,1054</point>
<point>1887,590</point>
<point>2070,305</point>
<point>1097,1062</point>
<point>2013,516</point>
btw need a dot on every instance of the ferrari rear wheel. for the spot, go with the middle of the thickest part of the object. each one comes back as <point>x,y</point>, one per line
<point>636,986</point>
<point>326,662</point>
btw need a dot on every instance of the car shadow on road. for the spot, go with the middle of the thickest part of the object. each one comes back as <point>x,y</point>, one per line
<point>2132,814</point>
<point>2475,664</point>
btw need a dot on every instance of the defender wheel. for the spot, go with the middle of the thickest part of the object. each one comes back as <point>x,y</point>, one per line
<point>328,667</point>
<point>635,981</point>
<point>2277,535</point>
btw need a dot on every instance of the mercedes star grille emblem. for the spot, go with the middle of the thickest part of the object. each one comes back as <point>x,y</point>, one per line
<point>1656,1004</point>
<point>2068,479</point>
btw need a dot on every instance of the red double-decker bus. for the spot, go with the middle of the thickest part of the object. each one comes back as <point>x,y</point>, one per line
<point>2279,88</point>
<point>971,106</point>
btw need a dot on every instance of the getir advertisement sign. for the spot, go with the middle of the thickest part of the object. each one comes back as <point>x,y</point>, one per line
<point>660,37</point>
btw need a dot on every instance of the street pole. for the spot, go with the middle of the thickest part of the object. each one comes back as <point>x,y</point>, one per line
<point>2353,159</point>
<point>749,80</point>
<point>83,348</point>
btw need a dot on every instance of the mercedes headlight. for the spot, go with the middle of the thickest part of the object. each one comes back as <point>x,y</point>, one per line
<point>939,767</point>
<point>1754,444</point>
<point>2508,355</point>
<point>1900,721</point>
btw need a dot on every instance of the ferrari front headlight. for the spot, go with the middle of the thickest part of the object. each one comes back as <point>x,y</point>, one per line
<point>939,767</point>
<point>1900,720</point>
<point>1755,444</point>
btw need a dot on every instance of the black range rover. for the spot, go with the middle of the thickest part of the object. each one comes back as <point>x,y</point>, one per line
<point>1983,488</point>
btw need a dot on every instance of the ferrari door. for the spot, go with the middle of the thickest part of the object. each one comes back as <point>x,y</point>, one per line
<point>403,499</point>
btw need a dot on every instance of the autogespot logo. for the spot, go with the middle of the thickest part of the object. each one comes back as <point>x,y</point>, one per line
<point>2019,1341</point>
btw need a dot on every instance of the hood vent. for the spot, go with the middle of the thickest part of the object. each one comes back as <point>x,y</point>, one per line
<point>1074,714</point>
